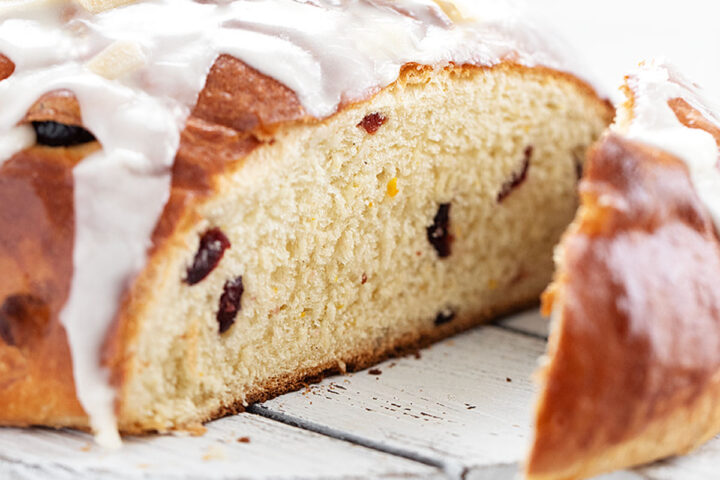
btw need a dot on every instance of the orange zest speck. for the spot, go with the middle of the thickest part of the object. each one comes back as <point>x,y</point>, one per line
<point>392,188</point>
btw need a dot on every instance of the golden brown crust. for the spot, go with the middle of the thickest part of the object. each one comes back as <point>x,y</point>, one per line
<point>36,241</point>
<point>239,97</point>
<point>218,136</point>
<point>57,106</point>
<point>635,353</point>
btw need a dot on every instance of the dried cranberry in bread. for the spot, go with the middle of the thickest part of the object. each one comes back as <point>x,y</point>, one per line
<point>210,219</point>
<point>633,368</point>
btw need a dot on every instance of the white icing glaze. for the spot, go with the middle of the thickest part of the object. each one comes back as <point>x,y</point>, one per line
<point>655,123</point>
<point>15,140</point>
<point>327,51</point>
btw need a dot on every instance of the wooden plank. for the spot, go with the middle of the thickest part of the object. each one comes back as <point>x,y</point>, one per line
<point>275,451</point>
<point>465,404</point>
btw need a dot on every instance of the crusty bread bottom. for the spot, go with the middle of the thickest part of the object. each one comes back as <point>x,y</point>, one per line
<point>330,226</point>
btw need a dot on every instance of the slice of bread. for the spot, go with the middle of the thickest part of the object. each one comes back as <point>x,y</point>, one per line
<point>326,207</point>
<point>633,367</point>
<point>431,207</point>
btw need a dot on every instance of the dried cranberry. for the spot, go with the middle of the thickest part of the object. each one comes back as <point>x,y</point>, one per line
<point>578,166</point>
<point>54,134</point>
<point>439,232</point>
<point>213,244</point>
<point>230,303</point>
<point>446,316</point>
<point>372,122</point>
<point>518,178</point>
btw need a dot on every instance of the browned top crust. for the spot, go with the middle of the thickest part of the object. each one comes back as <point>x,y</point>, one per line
<point>239,97</point>
<point>58,106</point>
<point>36,244</point>
<point>638,312</point>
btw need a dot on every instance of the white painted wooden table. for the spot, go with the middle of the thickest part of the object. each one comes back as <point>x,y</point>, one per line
<point>462,410</point>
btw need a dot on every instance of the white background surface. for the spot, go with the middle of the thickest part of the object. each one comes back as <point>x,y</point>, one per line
<point>612,36</point>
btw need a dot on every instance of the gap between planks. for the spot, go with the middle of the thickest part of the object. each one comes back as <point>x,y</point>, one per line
<point>344,436</point>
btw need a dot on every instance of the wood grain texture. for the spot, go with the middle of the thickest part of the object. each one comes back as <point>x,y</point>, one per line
<point>275,451</point>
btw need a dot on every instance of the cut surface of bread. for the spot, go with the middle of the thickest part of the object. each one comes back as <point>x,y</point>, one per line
<point>633,367</point>
<point>352,245</point>
<point>427,209</point>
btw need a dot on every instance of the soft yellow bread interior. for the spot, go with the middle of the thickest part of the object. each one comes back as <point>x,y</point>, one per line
<point>329,230</point>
